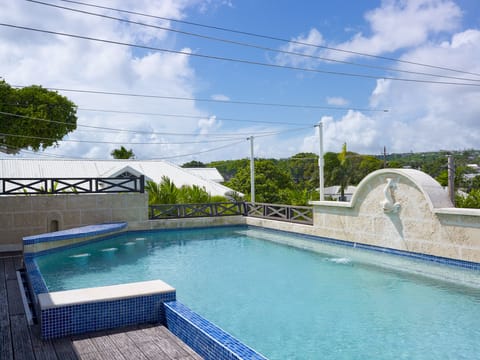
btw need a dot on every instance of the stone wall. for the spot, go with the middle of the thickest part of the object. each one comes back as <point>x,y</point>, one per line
<point>413,214</point>
<point>30,215</point>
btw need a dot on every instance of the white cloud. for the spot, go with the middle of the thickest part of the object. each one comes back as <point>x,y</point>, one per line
<point>402,24</point>
<point>208,124</point>
<point>220,97</point>
<point>314,37</point>
<point>29,58</point>
<point>395,25</point>
<point>337,101</point>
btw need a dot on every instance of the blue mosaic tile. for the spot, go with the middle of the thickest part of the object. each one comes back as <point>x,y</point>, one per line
<point>84,231</point>
<point>207,339</point>
<point>102,315</point>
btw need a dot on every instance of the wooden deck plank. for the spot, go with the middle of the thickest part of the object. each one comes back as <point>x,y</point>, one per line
<point>168,335</point>
<point>152,352</point>
<point>43,350</point>
<point>6,350</point>
<point>64,349</point>
<point>121,340</point>
<point>137,336</point>
<point>10,269</point>
<point>102,342</point>
<point>83,346</point>
<point>22,345</point>
<point>133,352</point>
<point>15,304</point>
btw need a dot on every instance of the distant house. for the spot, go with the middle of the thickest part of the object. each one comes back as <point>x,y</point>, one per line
<point>152,170</point>
<point>474,171</point>
<point>333,192</point>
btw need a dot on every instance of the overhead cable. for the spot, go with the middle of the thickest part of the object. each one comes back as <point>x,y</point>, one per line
<point>102,128</point>
<point>270,37</point>
<point>243,61</point>
<point>239,43</point>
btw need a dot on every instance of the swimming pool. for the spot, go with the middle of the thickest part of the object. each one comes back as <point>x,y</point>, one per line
<point>287,302</point>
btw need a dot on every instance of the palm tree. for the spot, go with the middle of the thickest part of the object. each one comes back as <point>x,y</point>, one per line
<point>123,153</point>
<point>342,174</point>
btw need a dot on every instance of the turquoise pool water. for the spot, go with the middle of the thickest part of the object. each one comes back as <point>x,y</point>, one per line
<point>290,303</point>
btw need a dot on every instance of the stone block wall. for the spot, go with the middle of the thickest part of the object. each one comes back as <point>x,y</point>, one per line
<point>415,215</point>
<point>30,215</point>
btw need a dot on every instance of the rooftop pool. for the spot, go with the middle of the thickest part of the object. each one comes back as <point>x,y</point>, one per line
<point>290,296</point>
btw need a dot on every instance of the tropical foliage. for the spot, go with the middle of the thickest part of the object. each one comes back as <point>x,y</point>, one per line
<point>123,153</point>
<point>33,117</point>
<point>166,192</point>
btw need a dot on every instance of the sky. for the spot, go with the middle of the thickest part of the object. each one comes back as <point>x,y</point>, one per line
<point>400,74</point>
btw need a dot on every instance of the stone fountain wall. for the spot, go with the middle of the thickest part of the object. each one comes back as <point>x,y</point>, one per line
<point>402,209</point>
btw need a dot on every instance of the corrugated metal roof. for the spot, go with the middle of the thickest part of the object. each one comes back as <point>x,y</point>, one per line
<point>152,169</point>
<point>207,173</point>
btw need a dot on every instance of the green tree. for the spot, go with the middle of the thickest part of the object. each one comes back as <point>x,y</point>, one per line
<point>304,170</point>
<point>33,117</point>
<point>270,180</point>
<point>342,174</point>
<point>330,163</point>
<point>472,200</point>
<point>194,164</point>
<point>123,153</point>
<point>229,168</point>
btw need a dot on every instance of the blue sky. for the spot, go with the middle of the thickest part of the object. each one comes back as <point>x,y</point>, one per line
<point>421,116</point>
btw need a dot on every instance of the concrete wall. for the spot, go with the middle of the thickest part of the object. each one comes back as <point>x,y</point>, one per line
<point>415,216</point>
<point>30,215</point>
<point>187,223</point>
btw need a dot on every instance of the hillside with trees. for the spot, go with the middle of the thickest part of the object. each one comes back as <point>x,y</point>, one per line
<point>295,180</point>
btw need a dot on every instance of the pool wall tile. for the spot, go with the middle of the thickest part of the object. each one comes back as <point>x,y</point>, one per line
<point>207,339</point>
<point>88,317</point>
<point>36,244</point>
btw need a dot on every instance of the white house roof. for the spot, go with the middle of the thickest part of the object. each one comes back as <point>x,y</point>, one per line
<point>152,169</point>
<point>207,173</point>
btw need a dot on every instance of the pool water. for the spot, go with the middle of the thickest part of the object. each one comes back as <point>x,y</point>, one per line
<point>288,302</point>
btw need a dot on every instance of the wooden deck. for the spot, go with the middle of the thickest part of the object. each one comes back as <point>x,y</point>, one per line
<point>20,341</point>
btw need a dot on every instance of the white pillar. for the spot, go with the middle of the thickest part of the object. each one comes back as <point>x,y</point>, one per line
<point>320,160</point>
<point>252,171</point>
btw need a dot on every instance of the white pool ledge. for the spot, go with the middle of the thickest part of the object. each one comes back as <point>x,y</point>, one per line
<point>102,293</point>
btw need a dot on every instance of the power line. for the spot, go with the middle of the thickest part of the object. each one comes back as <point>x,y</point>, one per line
<point>111,142</point>
<point>198,152</point>
<point>300,106</point>
<point>189,116</point>
<point>161,158</point>
<point>242,61</point>
<point>228,41</point>
<point>269,37</point>
<point>102,128</point>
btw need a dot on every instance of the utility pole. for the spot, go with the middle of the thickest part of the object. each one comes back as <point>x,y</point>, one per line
<point>384,157</point>
<point>320,159</point>
<point>252,171</point>
<point>451,178</point>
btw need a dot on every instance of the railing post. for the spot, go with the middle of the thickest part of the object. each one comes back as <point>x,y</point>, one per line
<point>142,184</point>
